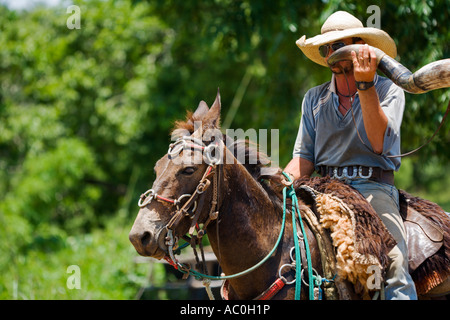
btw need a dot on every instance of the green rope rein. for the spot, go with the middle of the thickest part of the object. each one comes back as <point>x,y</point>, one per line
<point>200,276</point>
<point>289,191</point>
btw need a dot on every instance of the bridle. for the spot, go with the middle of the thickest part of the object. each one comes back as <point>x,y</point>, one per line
<point>189,208</point>
<point>182,211</point>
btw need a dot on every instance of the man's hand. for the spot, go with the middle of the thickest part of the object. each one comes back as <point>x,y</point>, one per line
<point>365,64</point>
<point>299,167</point>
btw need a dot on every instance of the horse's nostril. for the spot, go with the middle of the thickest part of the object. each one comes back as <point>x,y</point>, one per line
<point>145,239</point>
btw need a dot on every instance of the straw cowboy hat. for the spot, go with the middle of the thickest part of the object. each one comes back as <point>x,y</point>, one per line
<point>341,25</point>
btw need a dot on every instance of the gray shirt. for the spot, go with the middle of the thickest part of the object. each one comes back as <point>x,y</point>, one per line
<point>327,138</point>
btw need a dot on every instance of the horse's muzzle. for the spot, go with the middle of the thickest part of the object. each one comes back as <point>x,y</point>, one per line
<point>150,242</point>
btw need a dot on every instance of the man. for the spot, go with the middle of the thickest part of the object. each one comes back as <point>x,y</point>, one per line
<point>350,127</point>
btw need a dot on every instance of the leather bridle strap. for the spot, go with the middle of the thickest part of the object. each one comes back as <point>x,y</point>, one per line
<point>212,170</point>
<point>183,211</point>
<point>174,150</point>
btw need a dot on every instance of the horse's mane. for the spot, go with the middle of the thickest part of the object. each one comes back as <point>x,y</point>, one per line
<point>257,163</point>
<point>260,167</point>
<point>187,124</point>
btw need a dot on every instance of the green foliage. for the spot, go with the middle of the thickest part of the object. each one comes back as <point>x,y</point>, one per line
<point>85,114</point>
<point>105,259</point>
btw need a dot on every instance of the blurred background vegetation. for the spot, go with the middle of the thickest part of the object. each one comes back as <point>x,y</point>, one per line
<point>85,114</point>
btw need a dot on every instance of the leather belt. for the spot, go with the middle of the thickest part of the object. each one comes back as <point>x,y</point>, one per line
<point>356,172</point>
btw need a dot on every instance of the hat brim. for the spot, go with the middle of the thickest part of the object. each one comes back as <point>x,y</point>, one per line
<point>372,36</point>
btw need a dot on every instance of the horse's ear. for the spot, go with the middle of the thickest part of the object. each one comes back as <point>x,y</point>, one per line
<point>201,111</point>
<point>212,119</point>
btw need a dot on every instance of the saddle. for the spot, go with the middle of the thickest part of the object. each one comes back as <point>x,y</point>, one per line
<point>427,229</point>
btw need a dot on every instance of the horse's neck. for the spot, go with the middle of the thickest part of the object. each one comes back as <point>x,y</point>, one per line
<point>247,227</point>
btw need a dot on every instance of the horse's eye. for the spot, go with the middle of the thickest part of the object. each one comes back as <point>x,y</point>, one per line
<point>188,171</point>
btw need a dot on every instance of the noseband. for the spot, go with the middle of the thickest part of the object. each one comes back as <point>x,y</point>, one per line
<point>184,210</point>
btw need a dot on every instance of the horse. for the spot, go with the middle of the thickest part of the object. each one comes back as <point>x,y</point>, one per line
<point>243,213</point>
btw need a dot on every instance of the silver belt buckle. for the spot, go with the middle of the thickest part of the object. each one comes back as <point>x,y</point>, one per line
<point>357,171</point>
<point>336,175</point>
<point>363,176</point>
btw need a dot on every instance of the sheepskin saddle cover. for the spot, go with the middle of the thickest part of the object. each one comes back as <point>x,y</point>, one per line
<point>361,240</point>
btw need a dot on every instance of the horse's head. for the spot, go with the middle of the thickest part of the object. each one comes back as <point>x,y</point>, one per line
<point>183,192</point>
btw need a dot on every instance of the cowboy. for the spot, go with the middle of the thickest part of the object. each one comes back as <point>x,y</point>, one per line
<point>350,126</point>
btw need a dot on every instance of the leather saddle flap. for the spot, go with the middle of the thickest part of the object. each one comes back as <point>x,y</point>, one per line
<point>423,236</point>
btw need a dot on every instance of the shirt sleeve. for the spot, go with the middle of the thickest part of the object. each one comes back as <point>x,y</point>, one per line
<point>393,105</point>
<point>304,144</point>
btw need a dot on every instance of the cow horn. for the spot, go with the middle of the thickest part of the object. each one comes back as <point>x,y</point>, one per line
<point>435,75</point>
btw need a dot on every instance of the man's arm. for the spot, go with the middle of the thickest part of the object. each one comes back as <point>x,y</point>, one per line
<point>300,167</point>
<point>375,121</point>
